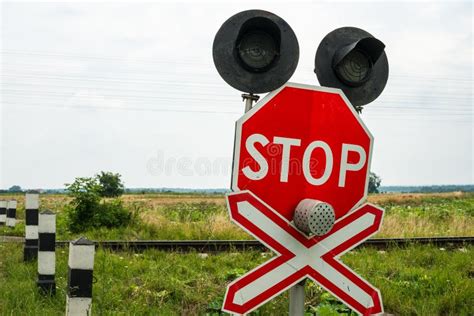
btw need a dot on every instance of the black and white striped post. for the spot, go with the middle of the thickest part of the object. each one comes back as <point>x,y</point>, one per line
<point>80,276</point>
<point>3,212</point>
<point>46,252</point>
<point>11,213</point>
<point>31,226</point>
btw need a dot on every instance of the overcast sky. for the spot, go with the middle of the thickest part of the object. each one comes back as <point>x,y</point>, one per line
<point>131,88</point>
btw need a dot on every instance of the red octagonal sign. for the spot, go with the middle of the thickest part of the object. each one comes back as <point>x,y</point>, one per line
<point>303,142</point>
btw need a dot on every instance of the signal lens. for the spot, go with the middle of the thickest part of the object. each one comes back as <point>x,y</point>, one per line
<point>257,50</point>
<point>354,69</point>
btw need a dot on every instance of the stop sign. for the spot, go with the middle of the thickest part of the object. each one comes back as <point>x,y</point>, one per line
<point>303,142</point>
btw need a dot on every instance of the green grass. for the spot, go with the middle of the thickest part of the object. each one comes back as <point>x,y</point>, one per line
<point>192,218</point>
<point>419,280</point>
<point>429,215</point>
<point>413,281</point>
<point>435,207</point>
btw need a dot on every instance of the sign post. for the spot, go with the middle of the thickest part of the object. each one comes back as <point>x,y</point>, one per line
<point>303,147</point>
<point>297,299</point>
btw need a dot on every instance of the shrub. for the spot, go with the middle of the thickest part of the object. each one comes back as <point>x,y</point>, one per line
<point>85,202</point>
<point>86,210</point>
<point>112,214</point>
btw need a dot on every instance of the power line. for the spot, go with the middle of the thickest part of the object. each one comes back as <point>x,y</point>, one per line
<point>393,98</point>
<point>190,61</point>
<point>186,73</point>
<point>65,107</point>
<point>105,58</point>
<point>402,104</point>
<point>457,103</point>
<point>445,118</point>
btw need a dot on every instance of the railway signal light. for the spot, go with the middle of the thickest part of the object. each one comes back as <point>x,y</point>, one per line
<point>255,51</point>
<point>354,61</point>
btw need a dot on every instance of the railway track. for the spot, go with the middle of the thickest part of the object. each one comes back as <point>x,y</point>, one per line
<point>243,245</point>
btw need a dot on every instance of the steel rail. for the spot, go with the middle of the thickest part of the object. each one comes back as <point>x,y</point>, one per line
<point>207,246</point>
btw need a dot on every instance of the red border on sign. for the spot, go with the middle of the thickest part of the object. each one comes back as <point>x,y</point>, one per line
<point>262,102</point>
<point>285,255</point>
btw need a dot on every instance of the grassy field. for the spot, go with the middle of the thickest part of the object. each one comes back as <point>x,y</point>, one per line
<point>413,281</point>
<point>417,280</point>
<point>165,216</point>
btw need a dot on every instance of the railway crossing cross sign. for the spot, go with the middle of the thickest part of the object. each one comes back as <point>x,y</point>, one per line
<point>302,142</point>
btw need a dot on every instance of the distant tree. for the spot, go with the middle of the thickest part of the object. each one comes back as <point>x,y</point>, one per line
<point>15,189</point>
<point>374,182</point>
<point>111,184</point>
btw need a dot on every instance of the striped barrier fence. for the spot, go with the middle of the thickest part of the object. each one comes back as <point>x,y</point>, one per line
<point>46,252</point>
<point>80,277</point>
<point>31,226</point>
<point>11,213</point>
<point>3,212</point>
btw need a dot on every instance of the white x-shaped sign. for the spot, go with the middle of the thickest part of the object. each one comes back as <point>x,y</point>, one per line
<point>300,257</point>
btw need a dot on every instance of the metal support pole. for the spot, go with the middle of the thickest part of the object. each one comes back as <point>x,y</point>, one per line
<point>249,98</point>
<point>297,299</point>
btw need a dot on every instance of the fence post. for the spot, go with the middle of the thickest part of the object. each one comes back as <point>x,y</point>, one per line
<point>11,213</point>
<point>81,266</point>
<point>3,212</point>
<point>31,226</point>
<point>46,252</point>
